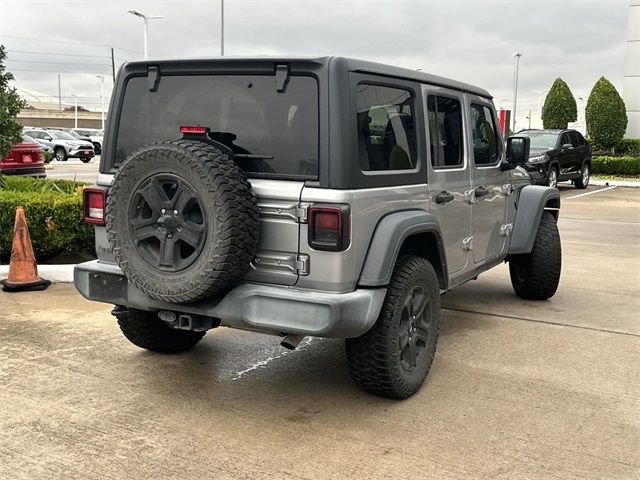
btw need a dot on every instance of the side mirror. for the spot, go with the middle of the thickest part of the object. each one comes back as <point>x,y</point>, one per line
<point>48,139</point>
<point>567,146</point>
<point>518,150</point>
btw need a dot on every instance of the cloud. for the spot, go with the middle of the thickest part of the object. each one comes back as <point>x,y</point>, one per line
<point>472,41</point>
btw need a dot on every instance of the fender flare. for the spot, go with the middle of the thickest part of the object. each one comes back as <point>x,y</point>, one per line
<point>532,202</point>
<point>388,237</point>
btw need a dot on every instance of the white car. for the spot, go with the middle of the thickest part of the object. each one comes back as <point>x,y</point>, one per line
<point>95,134</point>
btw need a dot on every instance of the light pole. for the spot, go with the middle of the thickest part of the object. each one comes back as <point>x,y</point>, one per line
<point>515,88</point>
<point>540,92</point>
<point>502,100</point>
<point>222,28</point>
<point>101,77</point>
<point>75,123</point>
<point>146,19</point>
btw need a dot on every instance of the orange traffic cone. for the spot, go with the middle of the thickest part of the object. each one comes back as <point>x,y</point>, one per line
<point>23,269</point>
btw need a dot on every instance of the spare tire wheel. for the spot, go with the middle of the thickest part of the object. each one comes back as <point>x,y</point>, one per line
<point>182,220</point>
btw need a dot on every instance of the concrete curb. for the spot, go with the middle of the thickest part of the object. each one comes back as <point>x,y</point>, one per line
<point>55,273</point>
<point>613,183</point>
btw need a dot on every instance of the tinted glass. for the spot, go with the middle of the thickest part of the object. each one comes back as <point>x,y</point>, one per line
<point>541,140</point>
<point>444,116</point>
<point>386,128</point>
<point>486,143</point>
<point>564,140</point>
<point>271,133</point>
<point>575,139</point>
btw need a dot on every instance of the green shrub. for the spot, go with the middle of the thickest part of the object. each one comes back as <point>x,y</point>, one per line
<point>629,146</point>
<point>606,115</point>
<point>559,106</point>
<point>616,165</point>
<point>54,215</point>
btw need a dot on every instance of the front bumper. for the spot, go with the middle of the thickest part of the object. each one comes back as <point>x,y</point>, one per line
<point>81,153</point>
<point>264,308</point>
<point>538,173</point>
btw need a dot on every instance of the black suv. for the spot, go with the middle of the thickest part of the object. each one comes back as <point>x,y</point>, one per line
<point>558,155</point>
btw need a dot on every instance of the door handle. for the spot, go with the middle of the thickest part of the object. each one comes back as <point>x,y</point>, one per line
<point>481,191</point>
<point>444,197</point>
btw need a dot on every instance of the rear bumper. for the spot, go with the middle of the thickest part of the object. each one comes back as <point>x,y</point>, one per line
<point>265,308</point>
<point>25,172</point>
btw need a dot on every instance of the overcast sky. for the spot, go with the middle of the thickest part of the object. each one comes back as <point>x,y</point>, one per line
<point>471,40</point>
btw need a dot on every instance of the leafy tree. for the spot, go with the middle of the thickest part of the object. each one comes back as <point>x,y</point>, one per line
<point>10,106</point>
<point>559,106</point>
<point>606,115</point>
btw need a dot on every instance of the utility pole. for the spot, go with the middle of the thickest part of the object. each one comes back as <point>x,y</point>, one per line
<point>59,94</point>
<point>222,28</point>
<point>515,89</point>
<point>113,66</point>
<point>76,111</point>
<point>101,77</point>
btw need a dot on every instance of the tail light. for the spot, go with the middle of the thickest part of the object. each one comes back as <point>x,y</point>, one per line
<point>93,205</point>
<point>193,129</point>
<point>329,227</point>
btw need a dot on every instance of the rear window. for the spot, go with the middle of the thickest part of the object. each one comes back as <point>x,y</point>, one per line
<point>272,134</point>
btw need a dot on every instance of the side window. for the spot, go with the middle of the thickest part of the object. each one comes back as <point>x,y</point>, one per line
<point>486,143</point>
<point>386,128</point>
<point>564,140</point>
<point>575,139</point>
<point>444,117</point>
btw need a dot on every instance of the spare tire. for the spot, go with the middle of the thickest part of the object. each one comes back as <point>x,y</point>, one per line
<point>182,220</point>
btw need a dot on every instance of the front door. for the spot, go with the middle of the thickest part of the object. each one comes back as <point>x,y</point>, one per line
<point>488,181</point>
<point>449,178</point>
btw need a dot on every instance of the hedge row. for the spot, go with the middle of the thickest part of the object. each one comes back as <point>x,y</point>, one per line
<point>54,216</point>
<point>616,165</point>
<point>627,147</point>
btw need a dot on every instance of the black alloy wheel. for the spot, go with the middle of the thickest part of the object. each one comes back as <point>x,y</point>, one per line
<point>167,222</point>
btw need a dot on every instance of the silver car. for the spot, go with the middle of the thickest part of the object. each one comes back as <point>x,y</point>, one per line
<point>64,145</point>
<point>325,197</point>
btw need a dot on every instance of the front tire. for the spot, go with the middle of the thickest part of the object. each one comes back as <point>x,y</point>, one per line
<point>146,330</point>
<point>552,177</point>
<point>61,154</point>
<point>536,275</point>
<point>394,357</point>
<point>585,175</point>
<point>85,160</point>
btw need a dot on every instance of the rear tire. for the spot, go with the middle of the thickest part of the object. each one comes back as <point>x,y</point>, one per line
<point>585,175</point>
<point>146,330</point>
<point>394,357</point>
<point>536,275</point>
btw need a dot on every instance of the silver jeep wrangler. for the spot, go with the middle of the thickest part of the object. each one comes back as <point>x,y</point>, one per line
<point>324,197</point>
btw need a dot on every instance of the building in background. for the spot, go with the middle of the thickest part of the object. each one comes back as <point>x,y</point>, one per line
<point>631,88</point>
<point>47,111</point>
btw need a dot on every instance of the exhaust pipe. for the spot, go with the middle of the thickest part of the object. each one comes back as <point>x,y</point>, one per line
<point>291,341</point>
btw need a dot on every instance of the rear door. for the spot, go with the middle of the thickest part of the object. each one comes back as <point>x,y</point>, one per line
<point>487,180</point>
<point>567,155</point>
<point>449,175</point>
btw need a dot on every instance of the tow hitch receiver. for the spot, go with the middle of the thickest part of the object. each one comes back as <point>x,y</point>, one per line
<point>187,321</point>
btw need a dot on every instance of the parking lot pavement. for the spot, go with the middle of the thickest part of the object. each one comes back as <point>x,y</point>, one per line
<point>74,169</point>
<point>517,390</point>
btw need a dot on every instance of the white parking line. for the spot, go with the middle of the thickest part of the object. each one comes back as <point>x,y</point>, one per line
<point>591,193</point>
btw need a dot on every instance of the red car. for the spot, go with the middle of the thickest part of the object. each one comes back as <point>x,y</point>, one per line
<point>26,159</point>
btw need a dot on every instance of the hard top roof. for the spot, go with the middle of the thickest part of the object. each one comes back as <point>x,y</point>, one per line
<point>352,64</point>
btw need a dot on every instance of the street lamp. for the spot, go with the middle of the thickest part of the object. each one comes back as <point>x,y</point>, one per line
<point>515,88</point>
<point>146,19</point>
<point>101,77</point>
<point>222,28</point>
<point>502,100</point>
<point>75,123</point>
<point>540,93</point>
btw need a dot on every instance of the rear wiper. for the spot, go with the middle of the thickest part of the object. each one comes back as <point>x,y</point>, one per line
<point>252,157</point>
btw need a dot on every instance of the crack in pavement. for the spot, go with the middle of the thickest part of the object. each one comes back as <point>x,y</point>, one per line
<point>524,319</point>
